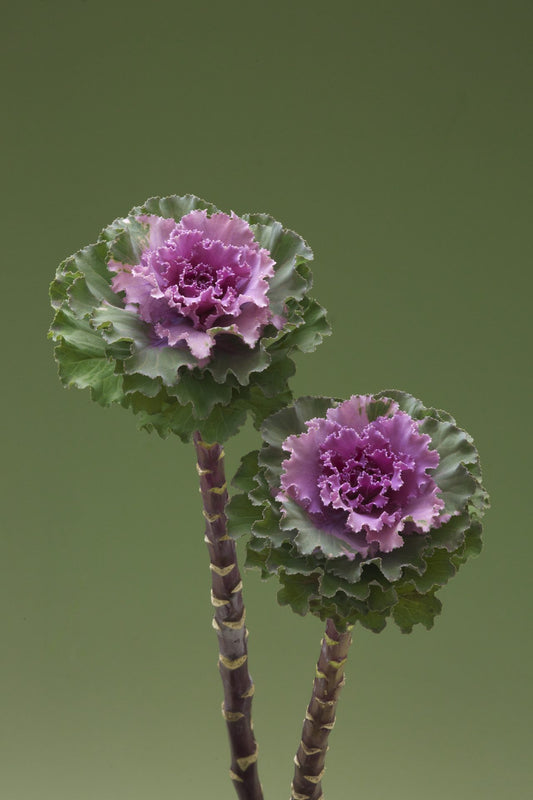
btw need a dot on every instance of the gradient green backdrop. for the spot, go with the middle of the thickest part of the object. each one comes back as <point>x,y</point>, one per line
<point>396,138</point>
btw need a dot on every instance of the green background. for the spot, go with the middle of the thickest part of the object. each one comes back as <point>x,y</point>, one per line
<point>396,138</point>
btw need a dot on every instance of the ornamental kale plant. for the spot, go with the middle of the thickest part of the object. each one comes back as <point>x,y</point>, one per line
<point>187,315</point>
<point>363,508</point>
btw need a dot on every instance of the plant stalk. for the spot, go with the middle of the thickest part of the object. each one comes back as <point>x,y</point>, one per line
<point>229,622</point>
<point>320,715</point>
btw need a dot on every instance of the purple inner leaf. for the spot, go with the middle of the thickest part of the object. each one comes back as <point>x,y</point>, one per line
<point>364,482</point>
<point>198,278</point>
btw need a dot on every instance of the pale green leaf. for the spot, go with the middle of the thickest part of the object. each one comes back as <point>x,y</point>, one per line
<point>158,362</point>
<point>174,206</point>
<point>84,370</point>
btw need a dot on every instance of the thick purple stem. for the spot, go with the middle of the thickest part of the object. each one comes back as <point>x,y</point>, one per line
<point>320,715</point>
<point>229,622</point>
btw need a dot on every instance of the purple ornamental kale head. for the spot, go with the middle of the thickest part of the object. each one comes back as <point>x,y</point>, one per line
<point>365,482</point>
<point>197,278</point>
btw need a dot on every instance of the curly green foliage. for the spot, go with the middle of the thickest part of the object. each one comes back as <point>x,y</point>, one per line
<point>108,348</point>
<point>317,572</point>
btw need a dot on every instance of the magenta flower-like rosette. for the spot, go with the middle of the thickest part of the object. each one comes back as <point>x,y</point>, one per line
<point>186,314</point>
<point>364,508</point>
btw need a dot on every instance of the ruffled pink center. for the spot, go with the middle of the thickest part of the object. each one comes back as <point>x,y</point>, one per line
<point>198,278</point>
<point>369,478</point>
<point>364,482</point>
<point>201,280</point>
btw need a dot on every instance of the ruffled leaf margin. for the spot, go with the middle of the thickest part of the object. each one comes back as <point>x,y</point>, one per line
<point>312,566</point>
<point>109,349</point>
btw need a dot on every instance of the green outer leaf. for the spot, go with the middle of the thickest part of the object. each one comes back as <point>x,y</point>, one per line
<point>349,571</point>
<point>410,554</point>
<point>455,449</point>
<point>91,263</point>
<point>296,591</point>
<point>202,391</point>
<point>381,599</point>
<point>262,406</point>
<point>241,515</point>
<point>244,478</point>
<point>223,423</point>
<point>330,585</point>
<point>438,572</point>
<point>414,407</point>
<point>88,372</point>
<point>451,535</point>
<point>234,357</point>
<point>373,621</point>
<point>79,297</point>
<point>269,527</point>
<point>471,547</point>
<point>78,333</point>
<point>309,537</point>
<point>312,330</point>
<point>149,387</point>
<point>289,251</point>
<point>379,408</point>
<point>414,609</point>
<point>346,611</point>
<point>153,414</point>
<point>182,422</point>
<point>118,324</point>
<point>274,378</point>
<point>291,562</point>
<point>158,362</point>
<point>292,420</point>
<point>173,206</point>
<point>269,391</point>
<point>127,238</point>
<point>256,560</point>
